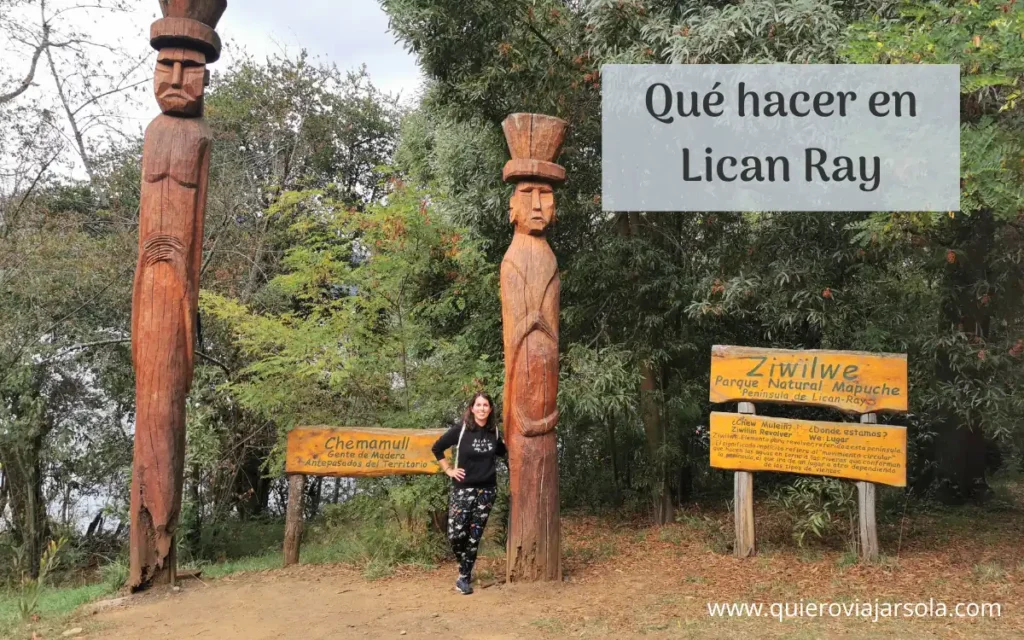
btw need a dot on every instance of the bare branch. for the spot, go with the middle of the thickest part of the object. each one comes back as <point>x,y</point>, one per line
<point>215,361</point>
<point>42,46</point>
<point>79,139</point>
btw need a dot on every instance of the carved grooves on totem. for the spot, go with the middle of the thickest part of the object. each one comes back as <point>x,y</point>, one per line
<point>534,141</point>
<point>163,248</point>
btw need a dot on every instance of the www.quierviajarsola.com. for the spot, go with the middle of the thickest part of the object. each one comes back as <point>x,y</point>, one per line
<point>874,610</point>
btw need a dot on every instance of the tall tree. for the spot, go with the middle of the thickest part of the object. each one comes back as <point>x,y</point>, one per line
<point>629,280</point>
<point>974,256</point>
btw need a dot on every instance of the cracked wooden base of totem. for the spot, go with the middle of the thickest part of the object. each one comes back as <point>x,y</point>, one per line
<point>162,352</point>
<point>534,536</point>
<point>159,560</point>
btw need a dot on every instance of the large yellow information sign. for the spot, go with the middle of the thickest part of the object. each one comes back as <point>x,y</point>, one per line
<point>852,381</point>
<point>361,452</point>
<point>874,453</point>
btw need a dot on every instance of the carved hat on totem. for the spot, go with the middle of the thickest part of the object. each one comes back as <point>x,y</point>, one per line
<point>534,141</point>
<point>189,24</point>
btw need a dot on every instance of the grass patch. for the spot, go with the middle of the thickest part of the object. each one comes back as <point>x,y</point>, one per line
<point>804,554</point>
<point>588,553</point>
<point>483,575</point>
<point>376,548</point>
<point>55,605</point>
<point>593,628</point>
<point>242,565</point>
<point>988,572</point>
<point>848,559</point>
<point>233,540</point>
<point>712,530</point>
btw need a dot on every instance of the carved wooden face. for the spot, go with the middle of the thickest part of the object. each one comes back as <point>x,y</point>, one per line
<point>532,207</point>
<point>179,81</point>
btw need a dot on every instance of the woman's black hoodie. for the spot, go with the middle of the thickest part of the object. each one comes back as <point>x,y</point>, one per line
<point>477,454</point>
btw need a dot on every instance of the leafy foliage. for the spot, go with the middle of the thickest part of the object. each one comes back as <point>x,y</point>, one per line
<point>369,326</point>
<point>820,507</point>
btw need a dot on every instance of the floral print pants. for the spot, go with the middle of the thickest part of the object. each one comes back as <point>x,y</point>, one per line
<point>468,510</point>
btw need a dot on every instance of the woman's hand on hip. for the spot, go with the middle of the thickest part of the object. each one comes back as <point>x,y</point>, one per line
<point>456,474</point>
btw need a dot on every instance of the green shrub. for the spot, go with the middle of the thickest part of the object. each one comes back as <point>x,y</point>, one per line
<point>373,546</point>
<point>820,507</point>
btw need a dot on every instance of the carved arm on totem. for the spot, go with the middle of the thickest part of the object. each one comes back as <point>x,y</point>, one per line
<point>532,368</point>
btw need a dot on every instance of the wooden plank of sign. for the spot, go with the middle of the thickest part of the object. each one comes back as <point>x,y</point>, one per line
<point>854,381</point>
<point>743,500</point>
<point>361,452</point>
<point>874,453</point>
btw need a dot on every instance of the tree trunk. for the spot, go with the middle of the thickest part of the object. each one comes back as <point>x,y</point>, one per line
<point>614,449</point>
<point>3,489</point>
<point>250,483</point>
<point>26,497</point>
<point>315,495</point>
<point>961,446</point>
<point>20,458</point>
<point>650,408</point>
<point>654,430</point>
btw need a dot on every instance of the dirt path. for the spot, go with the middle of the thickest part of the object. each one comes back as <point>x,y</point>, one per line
<point>334,603</point>
<point>620,583</point>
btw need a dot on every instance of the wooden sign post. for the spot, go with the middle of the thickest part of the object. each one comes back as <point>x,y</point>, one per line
<point>743,499</point>
<point>849,381</point>
<point>866,506</point>
<point>350,452</point>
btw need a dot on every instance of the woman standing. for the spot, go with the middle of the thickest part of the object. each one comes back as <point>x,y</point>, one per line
<point>477,446</point>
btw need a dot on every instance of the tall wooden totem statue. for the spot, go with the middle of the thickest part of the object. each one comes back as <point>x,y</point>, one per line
<point>529,314</point>
<point>175,168</point>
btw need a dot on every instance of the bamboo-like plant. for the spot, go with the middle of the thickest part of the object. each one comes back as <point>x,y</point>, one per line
<point>31,588</point>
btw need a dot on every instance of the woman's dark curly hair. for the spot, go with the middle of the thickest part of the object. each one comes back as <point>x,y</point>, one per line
<point>470,421</point>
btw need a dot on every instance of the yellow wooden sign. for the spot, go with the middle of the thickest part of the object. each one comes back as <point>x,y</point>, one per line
<point>869,452</point>
<point>361,452</point>
<point>854,381</point>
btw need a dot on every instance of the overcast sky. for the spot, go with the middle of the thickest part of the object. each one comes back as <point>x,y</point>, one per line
<point>347,33</point>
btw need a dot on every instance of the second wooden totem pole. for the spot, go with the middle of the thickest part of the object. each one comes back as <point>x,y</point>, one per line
<point>175,169</point>
<point>529,314</point>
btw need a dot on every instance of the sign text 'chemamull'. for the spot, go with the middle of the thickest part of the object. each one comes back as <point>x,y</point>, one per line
<point>361,452</point>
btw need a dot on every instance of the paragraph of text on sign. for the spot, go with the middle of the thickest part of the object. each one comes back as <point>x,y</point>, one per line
<point>872,453</point>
